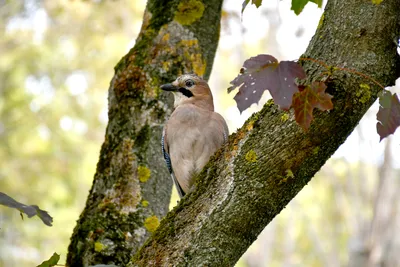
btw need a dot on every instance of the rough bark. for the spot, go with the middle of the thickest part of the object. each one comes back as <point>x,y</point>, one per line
<point>248,182</point>
<point>132,187</point>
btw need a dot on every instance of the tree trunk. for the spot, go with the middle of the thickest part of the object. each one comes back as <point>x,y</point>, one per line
<point>132,187</point>
<point>248,182</point>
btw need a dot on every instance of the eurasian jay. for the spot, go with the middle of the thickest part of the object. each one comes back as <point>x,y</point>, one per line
<point>193,132</point>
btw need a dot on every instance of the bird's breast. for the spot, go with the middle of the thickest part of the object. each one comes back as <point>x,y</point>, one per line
<point>193,136</point>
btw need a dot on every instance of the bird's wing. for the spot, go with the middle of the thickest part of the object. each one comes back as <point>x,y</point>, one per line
<point>164,146</point>
<point>167,158</point>
<point>223,126</point>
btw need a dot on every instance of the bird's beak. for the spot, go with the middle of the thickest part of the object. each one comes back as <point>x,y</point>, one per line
<point>169,87</point>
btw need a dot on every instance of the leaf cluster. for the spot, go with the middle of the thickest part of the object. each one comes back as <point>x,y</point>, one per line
<point>264,72</point>
<point>297,5</point>
<point>285,81</point>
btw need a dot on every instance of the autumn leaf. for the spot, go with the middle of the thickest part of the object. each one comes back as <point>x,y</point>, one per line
<point>388,115</point>
<point>263,72</point>
<point>304,102</point>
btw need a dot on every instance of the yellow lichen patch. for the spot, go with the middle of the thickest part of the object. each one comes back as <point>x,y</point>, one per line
<point>151,223</point>
<point>98,246</point>
<point>365,86</point>
<point>376,2</point>
<point>316,150</point>
<point>284,117</point>
<point>165,38</point>
<point>189,42</point>
<point>143,173</point>
<point>289,174</point>
<point>145,203</point>
<point>199,66</point>
<point>321,21</point>
<point>166,65</point>
<point>364,93</point>
<point>189,11</point>
<point>249,126</point>
<point>251,156</point>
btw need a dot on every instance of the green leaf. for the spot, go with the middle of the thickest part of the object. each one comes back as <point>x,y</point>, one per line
<point>50,262</point>
<point>31,211</point>
<point>298,5</point>
<point>256,2</point>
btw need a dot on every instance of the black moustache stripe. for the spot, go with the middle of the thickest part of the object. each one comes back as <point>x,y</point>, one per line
<point>185,92</point>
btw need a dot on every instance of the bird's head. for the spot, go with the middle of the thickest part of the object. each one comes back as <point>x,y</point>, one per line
<point>190,89</point>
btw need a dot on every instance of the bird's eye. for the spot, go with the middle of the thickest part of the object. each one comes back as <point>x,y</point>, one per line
<point>189,83</point>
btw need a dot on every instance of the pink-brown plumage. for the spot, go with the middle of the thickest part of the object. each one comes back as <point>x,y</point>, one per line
<point>193,132</point>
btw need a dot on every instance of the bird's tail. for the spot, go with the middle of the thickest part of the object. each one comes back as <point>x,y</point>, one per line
<point>178,187</point>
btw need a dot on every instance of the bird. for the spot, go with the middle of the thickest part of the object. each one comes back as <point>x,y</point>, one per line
<point>194,131</point>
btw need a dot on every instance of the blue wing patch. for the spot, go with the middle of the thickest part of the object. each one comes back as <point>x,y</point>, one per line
<point>169,165</point>
<point>166,155</point>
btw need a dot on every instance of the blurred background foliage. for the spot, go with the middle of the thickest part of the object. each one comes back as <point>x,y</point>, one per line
<point>56,62</point>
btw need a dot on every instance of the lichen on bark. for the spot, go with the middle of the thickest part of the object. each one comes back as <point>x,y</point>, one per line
<point>131,188</point>
<point>235,199</point>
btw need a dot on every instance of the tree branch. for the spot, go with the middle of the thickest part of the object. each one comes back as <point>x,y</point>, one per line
<point>132,187</point>
<point>236,196</point>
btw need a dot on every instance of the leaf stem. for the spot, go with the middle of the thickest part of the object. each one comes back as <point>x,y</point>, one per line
<point>343,69</point>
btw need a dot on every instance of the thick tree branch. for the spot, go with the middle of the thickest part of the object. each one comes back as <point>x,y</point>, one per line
<point>131,188</point>
<point>247,183</point>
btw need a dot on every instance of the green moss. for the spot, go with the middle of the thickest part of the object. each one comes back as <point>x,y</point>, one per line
<point>316,150</point>
<point>151,223</point>
<point>143,140</point>
<point>145,203</point>
<point>141,45</point>
<point>143,173</point>
<point>98,246</point>
<point>189,11</point>
<point>251,156</point>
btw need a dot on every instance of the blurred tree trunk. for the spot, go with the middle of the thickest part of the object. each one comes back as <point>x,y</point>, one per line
<point>375,243</point>
<point>132,187</point>
<point>247,183</point>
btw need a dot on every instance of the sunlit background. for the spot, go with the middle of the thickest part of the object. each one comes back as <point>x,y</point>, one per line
<point>56,62</point>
